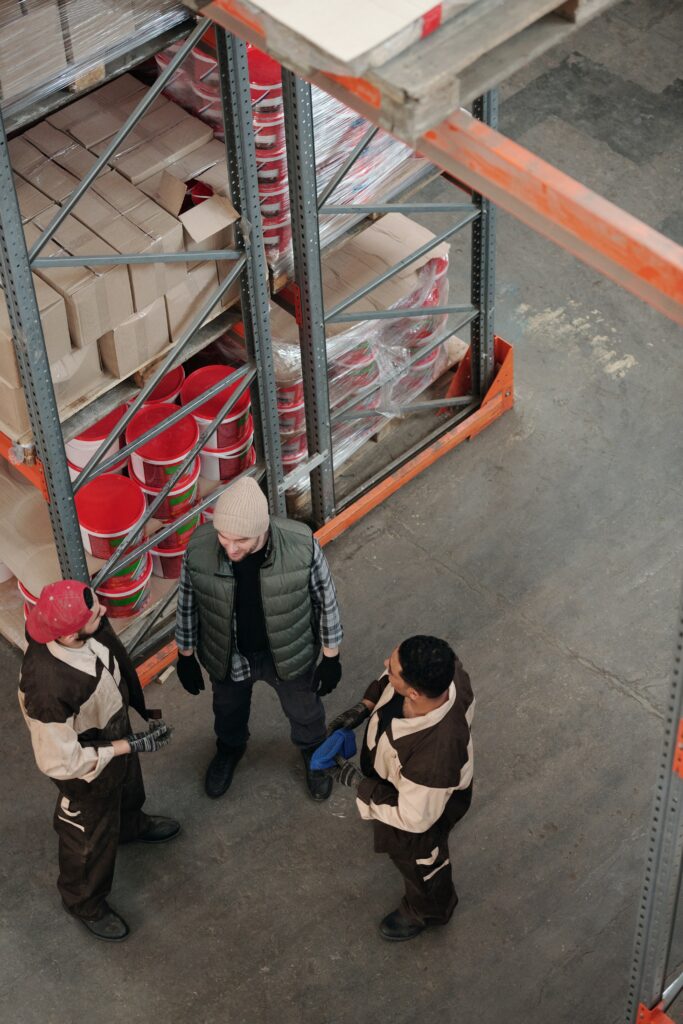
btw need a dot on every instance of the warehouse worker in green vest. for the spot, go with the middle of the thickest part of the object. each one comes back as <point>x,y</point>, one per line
<point>256,601</point>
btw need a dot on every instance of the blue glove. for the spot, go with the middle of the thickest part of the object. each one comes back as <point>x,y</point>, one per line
<point>342,743</point>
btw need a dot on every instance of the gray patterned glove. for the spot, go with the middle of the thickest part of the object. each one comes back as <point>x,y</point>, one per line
<point>346,774</point>
<point>349,719</point>
<point>147,742</point>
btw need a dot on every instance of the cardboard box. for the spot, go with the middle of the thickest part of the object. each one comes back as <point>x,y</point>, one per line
<point>152,157</point>
<point>24,158</point>
<point>183,303</point>
<point>55,331</point>
<point>136,340</point>
<point>75,376</point>
<point>93,26</point>
<point>147,282</point>
<point>48,139</point>
<point>77,160</point>
<point>144,229</point>
<point>53,181</point>
<point>31,47</point>
<point>31,201</point>
<point>194,165</point>
<point>210,225</point>
<point>118,191</point>
<point>96,300</point>
<point>76,112</point>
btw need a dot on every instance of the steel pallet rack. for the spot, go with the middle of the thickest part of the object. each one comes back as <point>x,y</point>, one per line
<point>46,450</point>
<point>44,461</point>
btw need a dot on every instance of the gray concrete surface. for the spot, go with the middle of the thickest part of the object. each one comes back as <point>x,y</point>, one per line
<point>549,552</point>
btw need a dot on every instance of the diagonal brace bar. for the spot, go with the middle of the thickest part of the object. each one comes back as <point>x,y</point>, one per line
<point>397,313</point>
<point>347,165</point>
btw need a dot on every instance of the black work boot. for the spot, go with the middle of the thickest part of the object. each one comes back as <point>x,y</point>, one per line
<point>155,829</point>
<point>319,783</point>
<point>397,928</point>
<point>109,926</point>
<point>221,770</point>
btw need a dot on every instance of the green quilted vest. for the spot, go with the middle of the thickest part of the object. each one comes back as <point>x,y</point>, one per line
<point>285,576</point>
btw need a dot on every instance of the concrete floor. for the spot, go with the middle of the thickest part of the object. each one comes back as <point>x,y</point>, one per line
<point>549,552</point>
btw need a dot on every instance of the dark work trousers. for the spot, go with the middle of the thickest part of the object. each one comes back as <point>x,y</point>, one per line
<point>90,831</point>
<point>430,896</point>
<point>232,703</point>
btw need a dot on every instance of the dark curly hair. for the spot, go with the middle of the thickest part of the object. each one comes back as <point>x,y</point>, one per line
<point>427,664</point>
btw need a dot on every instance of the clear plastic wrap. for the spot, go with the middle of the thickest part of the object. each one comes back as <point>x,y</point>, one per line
<point>375,366</point>
<point>385,166</point>
<point>46,45</point>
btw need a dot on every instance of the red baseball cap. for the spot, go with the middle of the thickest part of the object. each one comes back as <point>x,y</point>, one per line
<point>60,610</point>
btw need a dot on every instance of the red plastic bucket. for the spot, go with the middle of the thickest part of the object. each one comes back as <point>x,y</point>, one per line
<point>167,562</point>
<point>269,131</point>
<point>179,499</point>
<point>200,192</point>
<point>168,388</point>
<point>290,394</point>
<point>274,200</point>
<point>161,457</point>
<point>294,451</point>
<point>123,601</point>
<point>79,450</point>
<point>108,507</point>
<point>265,77</point>
<point>29,598</point>
<point>207,103</point>
<point>181,536</point>
<point>277,234</point>
<point>237,424</point>
<point>228,463</point>
<point>292,418</point>
<point>271,168</point>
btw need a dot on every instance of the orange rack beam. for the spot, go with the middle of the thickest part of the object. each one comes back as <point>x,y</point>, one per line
<point>620,246</point>
<point>499,398</point>
<point>33,472</point>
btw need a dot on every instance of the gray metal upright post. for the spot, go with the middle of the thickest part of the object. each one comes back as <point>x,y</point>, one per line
<point>661,886</point>
<point>255,286</point>
<point>298,108</point>
<point>483,267</point>
<point>34,372</point>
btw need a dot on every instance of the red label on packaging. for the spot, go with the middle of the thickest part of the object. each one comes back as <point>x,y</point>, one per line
<point>431,21</point>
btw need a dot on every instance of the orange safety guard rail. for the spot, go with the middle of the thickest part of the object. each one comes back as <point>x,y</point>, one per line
<point>499,399</point>
<point>617,244</point>
<point>654,1016</point>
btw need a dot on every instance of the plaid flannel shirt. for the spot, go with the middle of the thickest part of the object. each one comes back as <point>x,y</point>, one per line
<point>323,598</point>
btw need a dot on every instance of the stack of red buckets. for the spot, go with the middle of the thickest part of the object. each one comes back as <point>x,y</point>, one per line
<point>229,450</point>
<point>196,86</point>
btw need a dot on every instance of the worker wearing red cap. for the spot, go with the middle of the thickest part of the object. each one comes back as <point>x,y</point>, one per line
<point>77,684</point>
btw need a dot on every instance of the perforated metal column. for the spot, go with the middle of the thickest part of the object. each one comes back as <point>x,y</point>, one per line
<point>309,290</point>
<point>255,289</point>
<point>658,909</point>
<point>34,371</point>
<point>483,294</point>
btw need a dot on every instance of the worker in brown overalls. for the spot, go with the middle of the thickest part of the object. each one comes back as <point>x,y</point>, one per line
<point>77,684</point>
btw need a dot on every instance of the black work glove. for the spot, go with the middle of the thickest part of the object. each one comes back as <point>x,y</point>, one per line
<point>190,674</point>
<point>147,742</point>
<point>349,719</point>
<point>326,675</point>
<point>346,774</point>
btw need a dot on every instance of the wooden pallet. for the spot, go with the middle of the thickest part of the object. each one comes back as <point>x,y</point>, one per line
<point>420,87</point>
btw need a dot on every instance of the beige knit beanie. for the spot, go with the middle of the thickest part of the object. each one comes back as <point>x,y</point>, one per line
<point>242,510</point>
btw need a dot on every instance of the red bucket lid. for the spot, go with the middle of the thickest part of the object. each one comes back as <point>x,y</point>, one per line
<point>171,444</point>
<point>203,379</point>
<point>167,386</point>
<point>263,70</point>
<point>103,427</point>
<point>110,504</point>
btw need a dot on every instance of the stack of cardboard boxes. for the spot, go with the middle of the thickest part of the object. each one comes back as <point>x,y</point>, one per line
<point>51,43</point>
<point>105,322</point>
